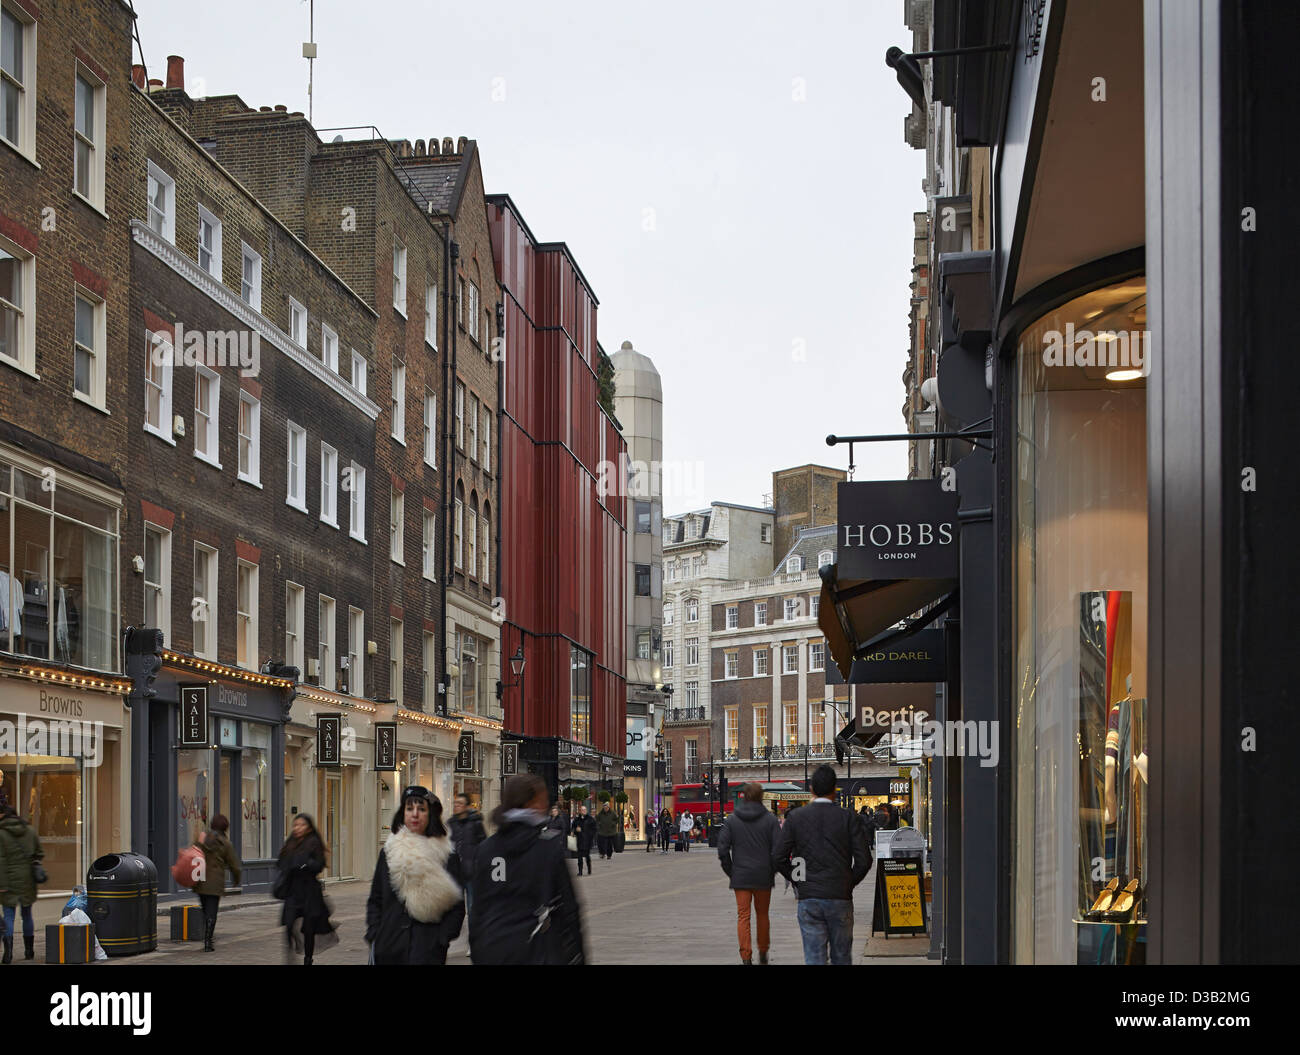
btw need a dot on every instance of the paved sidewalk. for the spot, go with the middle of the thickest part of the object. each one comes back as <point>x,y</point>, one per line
<point>638,908</point>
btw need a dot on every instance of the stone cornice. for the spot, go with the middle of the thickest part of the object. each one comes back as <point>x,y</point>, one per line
<point>148,239</point>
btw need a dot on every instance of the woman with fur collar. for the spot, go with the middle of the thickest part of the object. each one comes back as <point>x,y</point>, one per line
<point>415,910</point>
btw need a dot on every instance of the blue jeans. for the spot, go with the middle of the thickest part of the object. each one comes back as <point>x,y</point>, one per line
<point>29,927</point>
<point>823,922</point>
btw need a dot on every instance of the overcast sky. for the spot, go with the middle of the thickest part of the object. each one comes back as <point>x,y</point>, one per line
<point>731,177</point>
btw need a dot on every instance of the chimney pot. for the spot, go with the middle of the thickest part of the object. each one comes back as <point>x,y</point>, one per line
<point>264,109</point>
<point>280,108</point>
<point>155,84</point>
<point>137,75</point>
<point>296,113</point>
<point>447,147</point>
<point>175,71</point>
<point>460,145</point>
<point>419,148</point>
<point>433,146</point>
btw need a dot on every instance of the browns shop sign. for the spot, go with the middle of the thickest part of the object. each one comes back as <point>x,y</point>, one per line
<point>897,529</point>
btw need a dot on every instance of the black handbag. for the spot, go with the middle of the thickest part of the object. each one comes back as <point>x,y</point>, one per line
<point>280,890</point>
<point>39,875</point>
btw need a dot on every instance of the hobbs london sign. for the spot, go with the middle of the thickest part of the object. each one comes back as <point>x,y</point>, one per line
<point>897,529</point>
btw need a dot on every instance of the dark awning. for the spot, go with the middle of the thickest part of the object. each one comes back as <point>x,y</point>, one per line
<point>854,612</point>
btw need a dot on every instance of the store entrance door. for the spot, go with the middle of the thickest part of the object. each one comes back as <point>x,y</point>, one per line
<point>333,830</point>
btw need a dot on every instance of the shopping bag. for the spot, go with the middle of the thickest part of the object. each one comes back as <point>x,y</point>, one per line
<point>189,866</point>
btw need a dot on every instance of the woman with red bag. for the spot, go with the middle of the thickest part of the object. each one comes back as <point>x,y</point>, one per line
<point>305,917</point>
<point>218,858</point>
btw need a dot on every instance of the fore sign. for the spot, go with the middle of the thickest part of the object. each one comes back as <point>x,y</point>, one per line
<point>194,716</point>
<point>897,529</point>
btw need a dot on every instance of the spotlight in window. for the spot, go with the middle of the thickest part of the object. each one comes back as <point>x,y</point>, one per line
<point>1123,375</point>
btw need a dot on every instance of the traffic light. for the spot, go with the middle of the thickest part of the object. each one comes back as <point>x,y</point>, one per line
<point>722,787</point>
<point>708,786</point>
<point>144,647</point>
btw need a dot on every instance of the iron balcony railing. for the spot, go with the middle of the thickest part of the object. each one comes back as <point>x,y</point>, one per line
<point>685,714</point>
<point>793,752</point>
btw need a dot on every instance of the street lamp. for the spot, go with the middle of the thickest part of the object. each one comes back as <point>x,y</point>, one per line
<point>517,663</point>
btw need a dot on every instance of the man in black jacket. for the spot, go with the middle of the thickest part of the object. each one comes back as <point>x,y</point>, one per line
<point>466,833</point>
<point>823,850</point>
<point>745,848</point>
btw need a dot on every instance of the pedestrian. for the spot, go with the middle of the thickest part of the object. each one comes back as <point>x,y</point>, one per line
<point>218,859</point>
<point>868,821</point>
<point>557,821</point>
<point>823,851</point>
<point>606,830</point>
<point>746,845</point>
<point>305,916</point>
<point>20,854</point>
<point>466,834</point>
<point>524,909</point>
<point>584,833</point>
<point>651,829</point>
<point>665,830</point>
<point>415,910</point>
<point>684,827</point>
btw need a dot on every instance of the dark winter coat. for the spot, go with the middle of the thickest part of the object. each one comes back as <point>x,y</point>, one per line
<point>833,849</point>
<point>607,822</point>
<point>584,830</point>
<point>299,864</point>
<point>503,915</point>
<point>467,833</point>
<point>415,909</point>
<point>19,847</point>
<point>218,859</point>
<point>559,823</point>
<point>746,844</point>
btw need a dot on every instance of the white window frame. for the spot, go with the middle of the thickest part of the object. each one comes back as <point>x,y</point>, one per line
<point>158,346</point>
<point>329,347</point>
<point>398,402</point>
<point>669,652</point>
<point>296,473</point>
<point>396,526</point>
<point>428,670</point>
<point>396,664</point>
<point>473,450</point>
<point>472,524</point>
<point>792,606</point>
<point>762,740</point>
<point>26,358</point>
<point>213,453</point>
<point>356,652</point>
<point>26,141</point>
<point>816,655</point>
<point>731,728</point>
<point>473,310</point>
<point>250,277</point>
<point>329,485</point>
<point>692,697</point>
<point>209,606</point>
<point>431,316</point>
<point>213,266</point>
<point>789,659</point>
<point>295,609</point>
<point>794,565</point>
<point>326,655</point>
<point>760,613</point>
<point>733,617</point>
<point>163,587</point>
<point>786,727</point>
<point>253,439</point>
<point>357,502</point>
<point>825,557</point>
<point>93,194</point>
<point>692,610</point>
<point>486,461</point>
<point>429,546</point>
<point>165,225</point>
<point>765,533</point>
<point>814,606</point>
<point>460,415</point>
<point>431,429</point>
<point>458,548</point>
<point>97,396</point>
<point>246,621</point>
<point>360,371</point>
<point>731,665</point>
<point>399,276</point>
<point>692,651</point>
<point>670,610</point>
<point>297,323</point>
<point>485,548</point>
<point>762,653</point>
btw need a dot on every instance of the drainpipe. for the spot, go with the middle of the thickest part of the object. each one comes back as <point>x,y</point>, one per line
<point>501,374</point>
<point>448,450</point>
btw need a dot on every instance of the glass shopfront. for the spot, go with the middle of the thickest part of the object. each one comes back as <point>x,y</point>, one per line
<point>233,779</point>
<point>60,769</point>
<point>1080,786</point>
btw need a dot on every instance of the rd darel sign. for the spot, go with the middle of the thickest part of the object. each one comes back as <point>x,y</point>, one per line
<point>897,529</point>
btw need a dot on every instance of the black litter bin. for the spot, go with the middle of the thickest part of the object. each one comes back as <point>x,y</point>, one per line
<point>122,890</point>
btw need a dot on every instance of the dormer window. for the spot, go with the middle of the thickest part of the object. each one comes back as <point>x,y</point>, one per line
<point>794,565</point>
<point>825,557</point>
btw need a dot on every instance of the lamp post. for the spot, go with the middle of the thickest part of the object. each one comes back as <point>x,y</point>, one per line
<point>517,663</point>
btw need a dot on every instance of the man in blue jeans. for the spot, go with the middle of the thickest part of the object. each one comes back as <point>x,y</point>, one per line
<point>823,850</point>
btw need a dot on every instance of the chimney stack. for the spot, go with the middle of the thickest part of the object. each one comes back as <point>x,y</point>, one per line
<point>137,76</point>
<point>175,72</point>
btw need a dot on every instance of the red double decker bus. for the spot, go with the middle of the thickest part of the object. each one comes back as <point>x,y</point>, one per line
<point>691,797</point>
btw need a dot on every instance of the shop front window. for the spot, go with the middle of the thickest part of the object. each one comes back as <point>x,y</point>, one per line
<point>1080,783</point>
<point>194,787</point>
<point>58,572</point>
<point>255,792</point>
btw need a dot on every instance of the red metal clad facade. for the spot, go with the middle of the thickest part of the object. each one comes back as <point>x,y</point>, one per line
<point>563,542</point>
